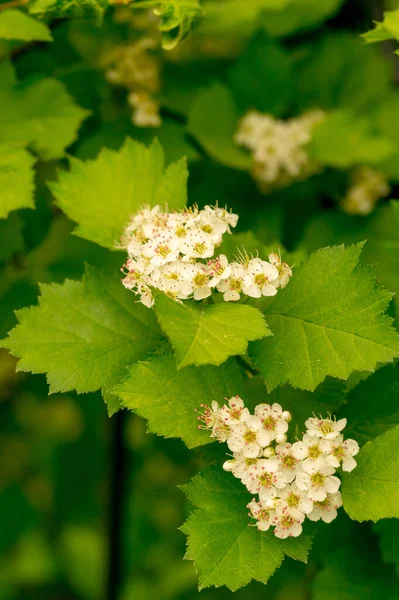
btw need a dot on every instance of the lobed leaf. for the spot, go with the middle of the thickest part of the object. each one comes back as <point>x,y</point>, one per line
<point>168,397</point>
<point>371,491</point>
<point>16,180</point>
<point>226,551</point>
<point>115,185</point>
<point>328,321</point>
<point>208,334</point>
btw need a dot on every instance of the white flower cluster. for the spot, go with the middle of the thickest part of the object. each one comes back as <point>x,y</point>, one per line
<point>278,147</point>
<point>367,187</point>
<point>136,67</point>
<point>292,481</point>
<point>174,253</point>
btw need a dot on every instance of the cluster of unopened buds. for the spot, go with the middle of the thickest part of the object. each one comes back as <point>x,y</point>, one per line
<point>293,481</point>
<point>174,252</point>
<point>278,148</point>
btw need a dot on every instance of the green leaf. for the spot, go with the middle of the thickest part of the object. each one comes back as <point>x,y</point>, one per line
<point>225,549</point>
<point>298,15</point>
<point>83,335</point>
<point>262,78</point>
<point>16,180</point>
<point>115,185</point>
<point>371,491</point>
<point>387,30</point>
<point>373,405</point>
<point>176,19</point>
<point>213,120</point>
<point>37,113</point>
<point>168,397</point>
<point>79,9</point>
<point>343,140</point>
<point>208,334</point>
<point>327,321</point>
<point>16,25</point>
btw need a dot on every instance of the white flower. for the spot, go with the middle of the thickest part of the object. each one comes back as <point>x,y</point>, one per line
<point>264,479</point>
<point>231,287</point>
<point>318,482</point>
<point>262,514</point>
<point>218,269</point>
<point>209,222</point>
<point>287,463</point>
<point>295,499</point>
<point>273,421</point>
<point>284,271</point>
<point>326,509</point>
<point>210,419</point>
<point>258,277</point>
<point>197,244</point>
<point>235,412</point>
<point>161,249</point>
<point>285,523</point>
<point>343,451</point>
<point>248,439</point>
<point>239,466</point>
<point>324,428</point>
<point>311,451</point>
<point>196,281</point>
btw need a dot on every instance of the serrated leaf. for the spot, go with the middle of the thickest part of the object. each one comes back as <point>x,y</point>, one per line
<point>16,180</point>
<point>371,491</point>
<point>213,120</point>
<point>343,140</point>
<point>327,321</point>
<point>373,405</point>
<point>262,78</point>
<point>225,549</point>
<point>37,113</point>
<point>79,9</point>
<point>208,334</point>
<point>386,30</point>
<point>114,186</point>
<point>168,397</point>
<point>83,335</point>
<point>16,25</point>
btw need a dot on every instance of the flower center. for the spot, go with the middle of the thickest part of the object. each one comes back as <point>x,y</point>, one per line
<point>260,279</point>
<point>250,436</point>
<point>235,284</point>
<point>293,500</point>
<point>200,280</point>
<point>199,247</point>
<point>338,452</point>
<point>326,427</point>
<point>163,250</point>
<point>266,479</point>
<point>235,413</point>
<point>318,479</point>
<point>173,276</point>
<point>250,461</point>
<point>289,461</point>
<point>180,232</point>
<point>263,514</point>
<point>269,423</point>
<point>207,228</point>
<point>314,452</point>
<point>322,504</point>
<point>286,522</point>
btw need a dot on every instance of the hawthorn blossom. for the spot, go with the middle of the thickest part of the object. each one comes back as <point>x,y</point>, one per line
<point>318,482</point>
<point>287,523</point>
<point>262,514</point>
<point>287,463</point>
<point>295,499</point>
<point>326,509</point>
<point>232,286</point>
<point>265,479</point>
<point>311,451</point>
<point>342,453</point>
<point>274,421</point>
<point>327,429</point>
<point>247,438</point>
<point>235,412</point>
<point>258,277</point>
<point>239,465</point>
<point>284,271</point>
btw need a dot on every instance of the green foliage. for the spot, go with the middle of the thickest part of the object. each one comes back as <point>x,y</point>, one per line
<point>226,551</point>
<point>168,397</point>
<point>314,337</point>
<point>371,491</point>
<point>83,334</point>
<point>177,18</point>
<point>388,29</point>
<point>212,121</point>
<point>38,114</point>
<point>87,9</point>
<point>16,25</point>
<point>133,176</point>
<point>208,334</point>
<point>16,179</point>
<point>366,419</point>
<point>343,141</point>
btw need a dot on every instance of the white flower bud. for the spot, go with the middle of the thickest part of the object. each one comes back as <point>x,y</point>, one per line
<point>281,438</point>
